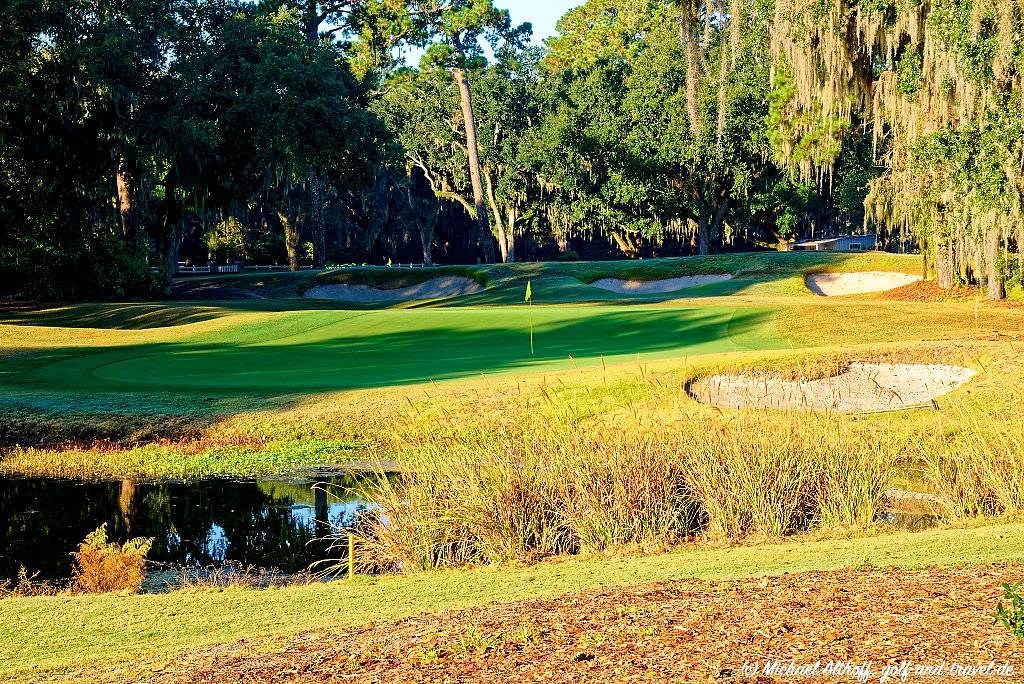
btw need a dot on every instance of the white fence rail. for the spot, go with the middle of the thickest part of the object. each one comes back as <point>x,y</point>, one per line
<point>238,268</point>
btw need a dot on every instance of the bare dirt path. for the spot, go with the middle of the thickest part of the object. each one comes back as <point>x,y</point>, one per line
<point>667,632</point>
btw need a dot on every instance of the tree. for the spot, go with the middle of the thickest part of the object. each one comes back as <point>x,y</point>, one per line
<point>510,106</point>
<point>627,137</point>
<point>939,85</point>
<point>296,109</point>
<point>458,26</point>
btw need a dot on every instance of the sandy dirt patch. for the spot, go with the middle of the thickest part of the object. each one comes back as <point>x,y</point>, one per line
<point>863,387</point>
<point>658,286</point>
<point>838,284</point>
<point>435,288</point>
<point>684,631</point>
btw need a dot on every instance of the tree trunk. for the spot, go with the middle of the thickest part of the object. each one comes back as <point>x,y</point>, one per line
<point>993,252</point>
<point>1020,255</point>
<point>427,240</point>
<point>624,242</point>
<point>473,152</point>
<point>499,223</point>
<point>291,240</point>
<point>125,204</point>
<point>172,228</point>
<point>317,219</point>
<point>510,250</point>
<point>943,259</point>
<point>703,234</point>
<point>502,241</point>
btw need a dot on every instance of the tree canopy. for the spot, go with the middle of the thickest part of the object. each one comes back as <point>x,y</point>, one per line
<point>143,133</point>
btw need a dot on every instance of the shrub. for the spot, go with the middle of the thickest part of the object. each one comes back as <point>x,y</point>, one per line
<point>102,566</point>
<point>1011,616</point>
<point>27,585</point>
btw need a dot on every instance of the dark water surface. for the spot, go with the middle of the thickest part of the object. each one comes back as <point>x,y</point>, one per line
<point>270,524</point>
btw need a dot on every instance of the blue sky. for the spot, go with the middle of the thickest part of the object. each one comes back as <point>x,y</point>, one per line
<point>541,13</point>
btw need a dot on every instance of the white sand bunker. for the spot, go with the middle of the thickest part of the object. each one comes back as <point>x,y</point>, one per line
<point>863,387</point>
<point>658,286</point>
<point>435,288</point>
<point>837,284</point>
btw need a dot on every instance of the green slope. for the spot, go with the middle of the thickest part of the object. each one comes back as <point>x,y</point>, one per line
<point>330,350</point>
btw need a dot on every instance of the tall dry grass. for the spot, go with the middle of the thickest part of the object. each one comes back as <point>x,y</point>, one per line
<point>516,495</point>
<point>774,474</point>
<point>616,489</point>
<point>976,467</point>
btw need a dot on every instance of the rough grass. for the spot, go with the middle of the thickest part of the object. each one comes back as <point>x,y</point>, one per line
<point>127,636</point>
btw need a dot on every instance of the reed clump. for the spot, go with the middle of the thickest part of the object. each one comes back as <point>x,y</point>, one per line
<point>514,496</point>
<point>975,468</point>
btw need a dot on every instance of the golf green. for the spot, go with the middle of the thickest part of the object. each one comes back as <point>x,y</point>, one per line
<point>301,351</point>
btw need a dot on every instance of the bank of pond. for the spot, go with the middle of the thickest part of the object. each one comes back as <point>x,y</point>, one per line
<point>281,529</point>
<point>274,524</point>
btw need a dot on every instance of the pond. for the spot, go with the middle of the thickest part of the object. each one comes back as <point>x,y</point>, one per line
<point>271,524</point>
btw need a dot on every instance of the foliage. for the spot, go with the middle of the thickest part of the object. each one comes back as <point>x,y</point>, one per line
<point>102,566</point>
<point>123,124</point>
<point>1011,616</point>
<point>136,136</point>
<point>939,85</point>
<point>226,240</point>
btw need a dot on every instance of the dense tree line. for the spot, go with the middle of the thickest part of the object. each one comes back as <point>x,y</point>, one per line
<point>139,133</point>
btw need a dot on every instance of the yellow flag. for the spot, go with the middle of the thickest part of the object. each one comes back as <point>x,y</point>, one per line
<point>389,261</point>
<point>529,291</point>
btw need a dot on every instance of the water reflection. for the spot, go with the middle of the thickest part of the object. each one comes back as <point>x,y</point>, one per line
<point>268,524</point>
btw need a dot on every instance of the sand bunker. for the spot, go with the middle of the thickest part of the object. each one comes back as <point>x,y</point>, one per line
<point>658,286</point>
<point>837,284</point>
<point>863,387</point>
<point>435,288</point>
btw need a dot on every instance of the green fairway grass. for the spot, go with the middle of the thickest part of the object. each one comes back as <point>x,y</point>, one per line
<point>41,637</point>
<point>330,350</point>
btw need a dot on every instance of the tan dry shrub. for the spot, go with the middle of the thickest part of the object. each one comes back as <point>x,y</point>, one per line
<point>102,566</point>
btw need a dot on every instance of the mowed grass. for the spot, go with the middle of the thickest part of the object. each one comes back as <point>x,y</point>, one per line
<point>123,637</point>
<point>310,351</point>
<point>235,388</point>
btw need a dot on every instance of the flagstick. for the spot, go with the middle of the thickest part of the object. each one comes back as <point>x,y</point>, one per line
<point>531,326</point>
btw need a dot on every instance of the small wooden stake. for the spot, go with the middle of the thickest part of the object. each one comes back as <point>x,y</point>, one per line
<point>351,555</point>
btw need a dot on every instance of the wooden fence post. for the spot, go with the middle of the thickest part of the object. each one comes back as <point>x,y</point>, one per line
<point>351,555</point>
